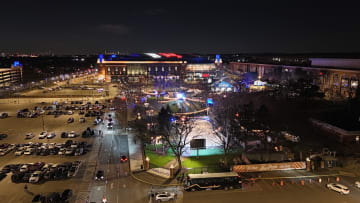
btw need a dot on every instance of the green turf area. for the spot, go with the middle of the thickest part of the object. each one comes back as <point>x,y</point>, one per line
<point>202,161</point>
<point>157,160</point>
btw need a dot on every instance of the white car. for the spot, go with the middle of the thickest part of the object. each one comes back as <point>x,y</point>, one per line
<point>24,168</point>
<point>342,189</point>
<point>29,136</point>
<point>4,151</point>
<point>51,135</point>
<point>19,152</point>
<point>70,112</point>
<point>43,135</point>
<point>29,151</point>
<point>72,134</point>
<point>357,184</point>
<point>35,177</point>
<point>163,197</point>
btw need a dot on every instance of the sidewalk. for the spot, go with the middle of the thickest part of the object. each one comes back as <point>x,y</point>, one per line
<point>135,153</point>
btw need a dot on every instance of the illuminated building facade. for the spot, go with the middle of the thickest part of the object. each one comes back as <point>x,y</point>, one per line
<point>337,78</point>
<point>140,68</point>
<point>11,76</point>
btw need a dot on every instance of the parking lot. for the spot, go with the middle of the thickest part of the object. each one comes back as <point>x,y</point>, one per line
<point>51,149</point>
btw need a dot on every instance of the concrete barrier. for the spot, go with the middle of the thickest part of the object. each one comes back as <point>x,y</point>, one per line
<point>269,167</point>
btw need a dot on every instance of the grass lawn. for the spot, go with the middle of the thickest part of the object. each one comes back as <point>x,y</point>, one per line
<point>157,160</point>
<point>202,161</point>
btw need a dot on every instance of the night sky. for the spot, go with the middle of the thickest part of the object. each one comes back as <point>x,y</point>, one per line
<point>179,26</point>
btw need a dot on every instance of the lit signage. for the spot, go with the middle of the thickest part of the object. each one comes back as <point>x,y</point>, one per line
<point>101,57</point>
<point>170,55</point>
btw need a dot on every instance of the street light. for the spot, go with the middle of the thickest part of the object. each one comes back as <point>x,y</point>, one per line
<point>147,163</point>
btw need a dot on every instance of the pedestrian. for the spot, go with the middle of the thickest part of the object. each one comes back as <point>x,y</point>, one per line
<point>25,187</point>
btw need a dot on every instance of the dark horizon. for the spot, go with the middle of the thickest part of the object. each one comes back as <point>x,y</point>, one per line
<point>186,27</point>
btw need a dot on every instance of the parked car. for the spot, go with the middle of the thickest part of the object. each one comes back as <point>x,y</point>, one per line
<point>35,177</point>
<point>53,197</point>
<point>4,115</point>
<point>29,136</point>
<point>43,135</point>
<point>29,151</point>
<point>79,151</point>
<point>70,120</point>
<point>51,135</point>
<point>64,135</point>
<point>2,175</point>
<point>357,184</point>
<point>19,152</point>
<point>82,120</point>
<point>72,134</point>
<point>66,195</point>
<point>39,198</point>
<point>3,136</point>
<point>72,171</point>
<point>342,189</point>
<point>4,151</point>
<point>70,112</point>
<point>165,196</point>
<point>69,151</point>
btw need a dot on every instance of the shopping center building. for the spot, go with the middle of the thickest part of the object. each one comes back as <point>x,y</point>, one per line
<point>336,77</point>
<point>141,68</point>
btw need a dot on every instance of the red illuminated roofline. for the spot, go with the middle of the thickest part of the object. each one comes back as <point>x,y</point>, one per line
<point>170,55</point>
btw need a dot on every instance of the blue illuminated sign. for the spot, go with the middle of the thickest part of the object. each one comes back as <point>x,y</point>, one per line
<point>217,57</point>
<point>16,63</point>
<point>210,101</point>
<point>101,57</point>
<point>113,56</point>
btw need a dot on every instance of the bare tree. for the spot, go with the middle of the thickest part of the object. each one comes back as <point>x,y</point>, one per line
<point>176,135</point>
<point>226,126</point>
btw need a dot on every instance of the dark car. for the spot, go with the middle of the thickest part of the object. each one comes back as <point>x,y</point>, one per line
<point>2,175</point>
<point>38,198</point>
<point>6,169</point>
<point>70,120</point>
<point>81,112</point>
<point>68,143</point>
<point>2,136</point>
<point>53,197</point>
<point>99,175</point>
<point>64,135</point>
<point>66,195</point>
<point>26,177</point>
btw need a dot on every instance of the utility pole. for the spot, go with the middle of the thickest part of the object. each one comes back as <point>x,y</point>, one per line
<point>43,124</point>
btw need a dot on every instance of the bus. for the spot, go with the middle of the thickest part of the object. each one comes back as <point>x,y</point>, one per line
<point>212,181</point>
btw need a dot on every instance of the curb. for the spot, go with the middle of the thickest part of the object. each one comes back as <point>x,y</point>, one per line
<point>149,183</point>
<point>293,177</point>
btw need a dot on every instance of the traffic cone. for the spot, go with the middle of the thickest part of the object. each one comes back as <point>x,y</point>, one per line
<point>328,180</point>
<point>104,199</point>
<point>320,180</point>
<point>302,182</point>
<point>337,179</point>
<point>281,183</point>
